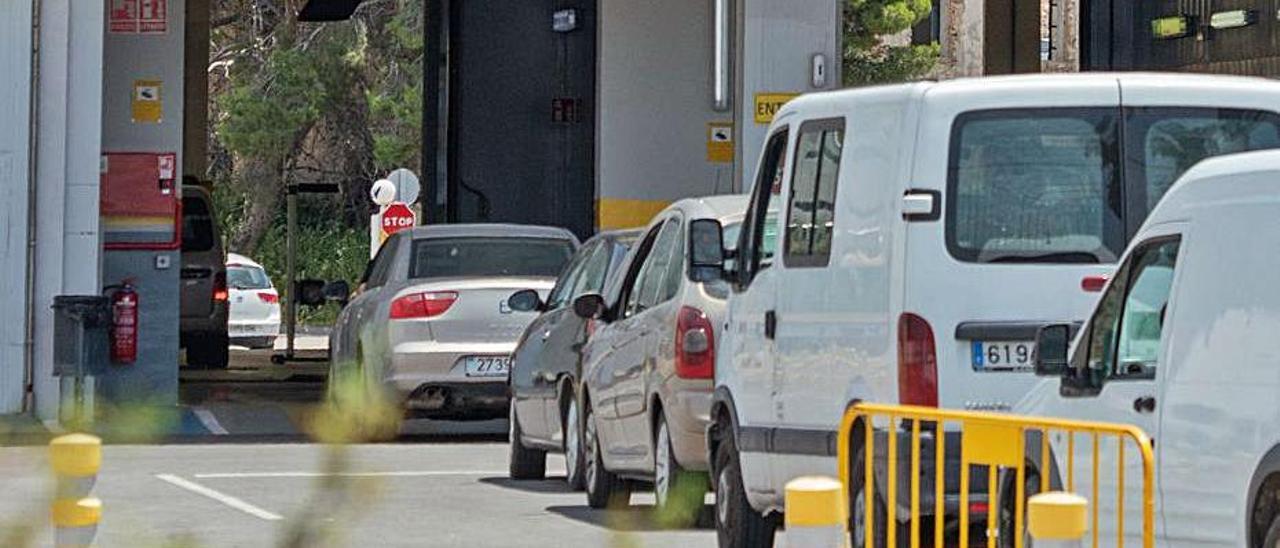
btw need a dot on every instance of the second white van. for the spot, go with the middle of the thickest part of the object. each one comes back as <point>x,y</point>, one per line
<point>927,231</point>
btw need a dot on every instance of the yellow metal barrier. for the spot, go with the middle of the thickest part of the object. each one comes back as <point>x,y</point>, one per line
<point>998,445</point>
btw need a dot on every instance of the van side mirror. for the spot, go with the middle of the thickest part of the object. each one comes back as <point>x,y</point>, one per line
<point>706,250</point>
<point>526,300</point>
<point>338,292</point>
<point>1052,344</point>
<point>589,306</point>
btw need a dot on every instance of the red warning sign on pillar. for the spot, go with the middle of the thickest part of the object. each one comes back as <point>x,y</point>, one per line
<point>138,16</point>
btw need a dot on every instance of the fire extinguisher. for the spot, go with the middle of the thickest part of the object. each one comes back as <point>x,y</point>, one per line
<point>124,324</point>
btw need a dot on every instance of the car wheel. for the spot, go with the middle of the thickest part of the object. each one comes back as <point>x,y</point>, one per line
<point>1008,511</point>
<point>738,525</point>
<point>679,492</point>
<point>1273,534</point>
<point>858,514</point>
<point>211,351</point>
<point>574,460</point>
<point>525,464</point>
<point>604,488</point>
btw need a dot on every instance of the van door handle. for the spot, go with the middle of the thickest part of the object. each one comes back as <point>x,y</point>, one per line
<point>770,325</point>
<point>1145,404</point>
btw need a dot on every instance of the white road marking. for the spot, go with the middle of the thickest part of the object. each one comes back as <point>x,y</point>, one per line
<point>410,474</point>
<point>210,421</point>
<point>220,497</point>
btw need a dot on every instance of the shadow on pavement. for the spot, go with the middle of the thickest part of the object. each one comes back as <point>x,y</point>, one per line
<point>551,485</point>
<point>630,519</point>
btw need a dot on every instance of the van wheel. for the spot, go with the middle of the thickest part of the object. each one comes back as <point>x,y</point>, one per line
<point>1273,534</point>
<point>859,514</point>
<point>574,460</point>
<point>738,525</point>
<point>604,488</point>
<point>211,351</point>
<point>1008,510</point>
<point>525,463</point>
<point>679,492</point>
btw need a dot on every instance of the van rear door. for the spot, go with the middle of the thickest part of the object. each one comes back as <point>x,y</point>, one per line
<point>1031,208</point>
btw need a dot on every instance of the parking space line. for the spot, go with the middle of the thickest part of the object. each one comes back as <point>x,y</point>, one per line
<point>210,421</point>
<point>408,474</point>
<point>220,497</point>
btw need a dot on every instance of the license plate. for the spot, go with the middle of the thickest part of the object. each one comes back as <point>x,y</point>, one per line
<point>488,366</point>
<point>1002,355</point>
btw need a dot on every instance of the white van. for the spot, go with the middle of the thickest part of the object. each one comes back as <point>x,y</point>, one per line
<point>927,231</point>
<point>1184,345</point>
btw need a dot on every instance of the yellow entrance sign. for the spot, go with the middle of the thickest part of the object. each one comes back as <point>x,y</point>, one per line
<point>768,105</point>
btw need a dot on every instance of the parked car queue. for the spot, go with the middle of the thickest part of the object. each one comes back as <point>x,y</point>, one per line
<point>901,244</point>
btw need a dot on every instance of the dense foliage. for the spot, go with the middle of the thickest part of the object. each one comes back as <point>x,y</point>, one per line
<point>869,58</point>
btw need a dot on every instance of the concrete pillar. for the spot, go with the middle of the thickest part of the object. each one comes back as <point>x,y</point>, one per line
<point>195,112</point>
<point>15,147</point>
<point>67,254</point>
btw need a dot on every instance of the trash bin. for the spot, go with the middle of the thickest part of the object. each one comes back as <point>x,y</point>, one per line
<point>80,333</point>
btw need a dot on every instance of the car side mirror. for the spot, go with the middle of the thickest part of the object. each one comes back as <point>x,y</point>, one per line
<point>706,250</point>
<point>589,306</point>
<point>1052,345</point>
<point>337,292</point>
<point>310,292</point>
<point>526,300</point>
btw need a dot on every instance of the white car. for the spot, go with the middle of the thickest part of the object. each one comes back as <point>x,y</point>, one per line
<point>928,231</point>
<point>255,305</point>
<point>1183,344</point>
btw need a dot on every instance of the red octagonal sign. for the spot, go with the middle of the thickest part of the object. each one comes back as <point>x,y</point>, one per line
<point>397,217</point>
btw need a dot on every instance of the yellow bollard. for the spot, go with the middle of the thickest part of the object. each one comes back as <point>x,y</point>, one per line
<point>1057,519</point>
<point>815,513</point>
<point>75,460</point>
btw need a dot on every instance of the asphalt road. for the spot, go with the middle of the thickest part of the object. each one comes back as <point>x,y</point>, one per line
<point>446,491</point>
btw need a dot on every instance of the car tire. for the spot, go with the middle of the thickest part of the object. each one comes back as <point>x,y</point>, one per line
<point>857,513</point>
<point>209,351</point>
<point>738,525</point>
<point>525,463</point>
<point>1008,511</point>
<point>574,459</point>
<point>1272,540</point>
<point>679,492</point>
<point>604,488</point>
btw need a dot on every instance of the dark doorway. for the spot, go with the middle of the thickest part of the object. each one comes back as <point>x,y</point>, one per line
<point>1011,37</point>
<point>521,135</point>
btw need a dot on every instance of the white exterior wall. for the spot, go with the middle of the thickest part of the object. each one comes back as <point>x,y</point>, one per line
<point>15,112</point>
<point>655,100</point>
<point>778,41</point>
<point>68,243</point>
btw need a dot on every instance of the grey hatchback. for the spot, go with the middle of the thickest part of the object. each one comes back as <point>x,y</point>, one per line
<point>547,366</point>
<point>430,326</point>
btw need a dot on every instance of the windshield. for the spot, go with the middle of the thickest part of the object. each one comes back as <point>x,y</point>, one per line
<point>1049,186</point>
<point>470,257</point>
<point>247,277</point>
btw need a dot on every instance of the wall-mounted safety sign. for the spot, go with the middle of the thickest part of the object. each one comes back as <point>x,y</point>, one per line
<point>138,17</point>
<point>720,142</point>
<point>148,102</point>
<point>768,105</point>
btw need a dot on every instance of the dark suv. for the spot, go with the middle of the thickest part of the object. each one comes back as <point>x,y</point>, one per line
<point>204,282</point>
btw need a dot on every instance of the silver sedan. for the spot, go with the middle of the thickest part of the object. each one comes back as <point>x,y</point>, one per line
<point>430,325</point>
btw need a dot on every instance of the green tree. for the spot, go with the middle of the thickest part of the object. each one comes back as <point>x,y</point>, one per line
<point>868,58</point>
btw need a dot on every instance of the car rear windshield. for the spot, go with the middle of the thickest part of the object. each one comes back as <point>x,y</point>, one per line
<point>1050,185</point>
<point>247,277</point>
<point>197,225</point>
<point>471,257</point>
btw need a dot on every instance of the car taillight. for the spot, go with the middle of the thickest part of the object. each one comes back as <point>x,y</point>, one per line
<point>220,294</point>
<point>695,345</point>
<point>1093,284</point>
<point>422,305</point>
<point>917,362</point>
<point>269,298</point>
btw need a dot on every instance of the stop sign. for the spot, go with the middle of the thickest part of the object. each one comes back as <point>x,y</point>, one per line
<point>397,217</point>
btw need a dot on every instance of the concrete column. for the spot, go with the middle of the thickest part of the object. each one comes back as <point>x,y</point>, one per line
<point>15,147</point>
<point>68,246</point>
<point>195,117</point>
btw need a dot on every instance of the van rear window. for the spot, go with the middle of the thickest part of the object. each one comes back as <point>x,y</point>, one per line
<point>1049,185</point>
<point>1035,186</point>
